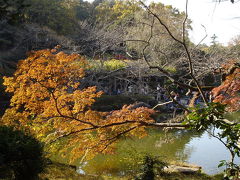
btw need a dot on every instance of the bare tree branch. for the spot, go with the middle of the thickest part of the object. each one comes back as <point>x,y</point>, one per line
<point>183,43</point>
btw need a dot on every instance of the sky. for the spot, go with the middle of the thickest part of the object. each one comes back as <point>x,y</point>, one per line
<point>221,19</point>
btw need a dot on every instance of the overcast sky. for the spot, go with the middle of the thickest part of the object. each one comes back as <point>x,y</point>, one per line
<point>222,19</point>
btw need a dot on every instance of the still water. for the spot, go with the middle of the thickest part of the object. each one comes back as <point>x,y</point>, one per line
<point>172,146</point>
<point>206,151</point>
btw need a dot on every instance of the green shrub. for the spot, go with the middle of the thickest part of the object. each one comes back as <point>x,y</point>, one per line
<point>150,167</point>
<point>108,65</point>
<point>114,64</point>
<point>20,155</point>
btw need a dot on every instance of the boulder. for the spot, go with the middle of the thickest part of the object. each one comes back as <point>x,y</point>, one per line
<point>189,169</point>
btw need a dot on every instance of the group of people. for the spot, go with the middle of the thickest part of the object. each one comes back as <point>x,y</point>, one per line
<point>180,96</point>
<point>161,95</point>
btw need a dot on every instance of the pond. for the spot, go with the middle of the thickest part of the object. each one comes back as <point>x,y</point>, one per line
<point>172,146</point>
<point>206,151</point>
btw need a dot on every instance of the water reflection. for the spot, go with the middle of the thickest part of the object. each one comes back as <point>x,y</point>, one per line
<point>168,146</point>
<point>207,151</point>
<point>176,145</point>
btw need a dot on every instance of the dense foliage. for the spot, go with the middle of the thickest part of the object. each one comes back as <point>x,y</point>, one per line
<point>228,91</point>
<point>20,155</point>
<point>49,102</point>
<point>12,10</point>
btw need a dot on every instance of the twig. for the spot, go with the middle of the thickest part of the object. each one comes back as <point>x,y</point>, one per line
<point>162,104</point>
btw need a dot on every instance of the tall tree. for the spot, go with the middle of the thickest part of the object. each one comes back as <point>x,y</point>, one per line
<point>52,14</point>
<point>12,10</point>
<point>146,33</point>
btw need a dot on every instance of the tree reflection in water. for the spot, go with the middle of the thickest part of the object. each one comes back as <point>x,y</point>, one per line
<point>169,146</point>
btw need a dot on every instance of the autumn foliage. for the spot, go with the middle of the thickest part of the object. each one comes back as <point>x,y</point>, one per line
<point>228,92</point>
<point>49,103</point>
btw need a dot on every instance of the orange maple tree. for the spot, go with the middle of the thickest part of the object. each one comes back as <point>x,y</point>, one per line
<point>229,91</point>
<point>48,102</point>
